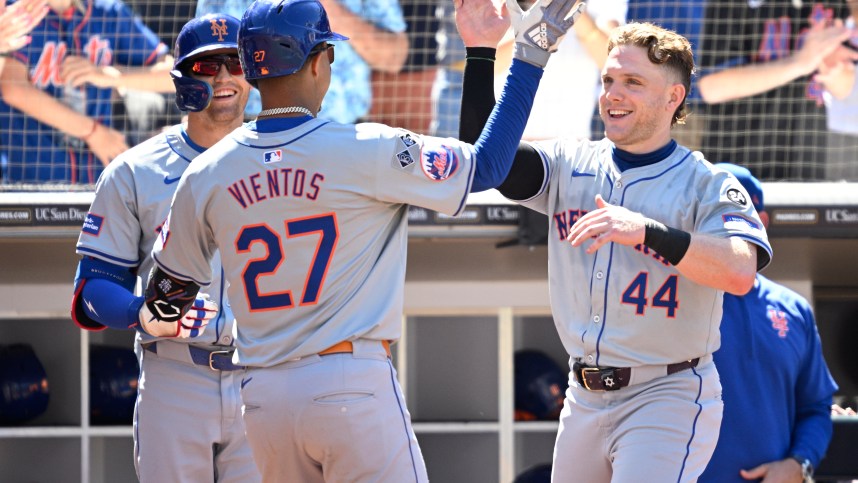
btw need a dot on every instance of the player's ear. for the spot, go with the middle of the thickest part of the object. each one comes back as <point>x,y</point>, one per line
<point>316,65</point>
<point>676,96</point>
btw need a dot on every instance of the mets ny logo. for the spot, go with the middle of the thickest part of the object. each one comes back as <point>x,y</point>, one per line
<point>219,30</point>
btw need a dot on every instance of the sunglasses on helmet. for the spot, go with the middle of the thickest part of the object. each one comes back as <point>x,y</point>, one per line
<point>321,48</point>
<point>210,66</point>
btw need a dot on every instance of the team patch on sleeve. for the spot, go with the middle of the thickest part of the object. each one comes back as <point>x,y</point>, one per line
<point>438,161</point>
<point>92,224</point>
<point>739,222</point>
<point>410,149</point>
<point>273,156</point>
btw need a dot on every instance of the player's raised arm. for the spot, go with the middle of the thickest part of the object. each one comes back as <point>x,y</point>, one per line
<point>538,31</point>
<point>482,27</point>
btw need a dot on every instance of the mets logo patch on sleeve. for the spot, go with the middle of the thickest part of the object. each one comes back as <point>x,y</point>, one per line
<point>92,224</point>
<point>273,156</point>
<point>439,162</point>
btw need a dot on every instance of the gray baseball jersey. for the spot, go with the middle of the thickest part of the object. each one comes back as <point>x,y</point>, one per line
<point>634,308</point>
<point>311,223</point>
<point>132,200</point>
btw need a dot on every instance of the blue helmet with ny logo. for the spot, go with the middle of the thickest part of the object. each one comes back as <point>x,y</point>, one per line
<point>211,32</point>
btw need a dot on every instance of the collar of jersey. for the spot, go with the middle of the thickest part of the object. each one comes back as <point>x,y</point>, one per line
<point>196,147</point>
<point>626,160</point>
<point>277,123</point>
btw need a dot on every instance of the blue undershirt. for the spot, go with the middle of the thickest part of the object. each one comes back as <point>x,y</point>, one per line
<point>496,146</point>
<point>626,160</point>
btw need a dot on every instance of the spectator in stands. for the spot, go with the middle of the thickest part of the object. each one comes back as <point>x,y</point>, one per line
<point>842,121</point>
<point>377,41</point>
<point>404,98</point>
<point>567,95</point>
<point>55,113</point>
<point>777,389</point>
<point>16,21</point>
<point>764,67</point>
<point>684,17</point>
<point>447,89</point>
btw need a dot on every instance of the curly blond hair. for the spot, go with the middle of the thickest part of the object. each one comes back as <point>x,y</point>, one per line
<point>664,47</point>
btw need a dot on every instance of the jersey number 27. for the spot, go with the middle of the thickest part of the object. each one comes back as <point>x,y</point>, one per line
<point>323,225</point>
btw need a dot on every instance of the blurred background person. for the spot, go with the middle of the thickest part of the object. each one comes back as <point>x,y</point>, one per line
<point>404,98</point>
<point>57,91</point>
<point>764,66</point>
<point>16,21</point>
<point>777,388</point>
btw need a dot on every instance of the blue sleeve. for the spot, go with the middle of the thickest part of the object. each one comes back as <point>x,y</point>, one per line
<point>814,390</point>
<point>103,295</point>
<point>110,304</point>
<point>496,146</point>
<point>135,43</point>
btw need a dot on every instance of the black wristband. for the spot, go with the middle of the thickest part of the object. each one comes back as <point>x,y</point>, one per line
<point>670,243</point>
<point>480,53</point>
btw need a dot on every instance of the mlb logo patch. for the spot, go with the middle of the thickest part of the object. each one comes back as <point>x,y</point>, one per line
<point>439,162</point>
<point>92,224</point>
<point>273,156</point>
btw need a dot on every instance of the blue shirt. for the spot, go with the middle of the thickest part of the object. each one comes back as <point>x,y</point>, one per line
<point>350,94</point>
<point>107,33</point>
<point>777,389</point>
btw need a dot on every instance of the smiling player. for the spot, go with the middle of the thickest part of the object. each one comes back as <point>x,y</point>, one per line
<point>184,364</point>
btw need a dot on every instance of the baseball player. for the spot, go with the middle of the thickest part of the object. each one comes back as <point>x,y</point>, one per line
<point>645,238</point>
<point>310,219</point>
<point>187,365</point>
<point>54,122</point>
<point>777,387</point>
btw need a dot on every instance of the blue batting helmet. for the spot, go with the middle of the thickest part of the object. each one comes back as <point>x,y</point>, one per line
<point>276,36</point>
<point>213,31</point>
<point>540,386</point>
<point>24,391</point>
<point>113,378</point>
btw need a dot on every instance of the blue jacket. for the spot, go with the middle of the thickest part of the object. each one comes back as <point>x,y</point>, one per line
<point>777,387</point>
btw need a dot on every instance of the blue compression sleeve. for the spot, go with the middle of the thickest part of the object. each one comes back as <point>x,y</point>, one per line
<point>495,149</point>
<point>110,304</point>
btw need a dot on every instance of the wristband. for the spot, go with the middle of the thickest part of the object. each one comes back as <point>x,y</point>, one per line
<point>480,53</point>
<point>95,125</point>
<point>670,243</point>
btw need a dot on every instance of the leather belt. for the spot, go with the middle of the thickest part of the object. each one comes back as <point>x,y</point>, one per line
<point>346,346</point>
<point>613,378</point>
<point>218,360</point>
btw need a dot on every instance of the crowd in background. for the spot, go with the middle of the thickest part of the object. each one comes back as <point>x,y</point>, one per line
<point>774,90</point>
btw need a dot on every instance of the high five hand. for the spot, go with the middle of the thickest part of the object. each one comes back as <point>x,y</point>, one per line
<point>539,30</point>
